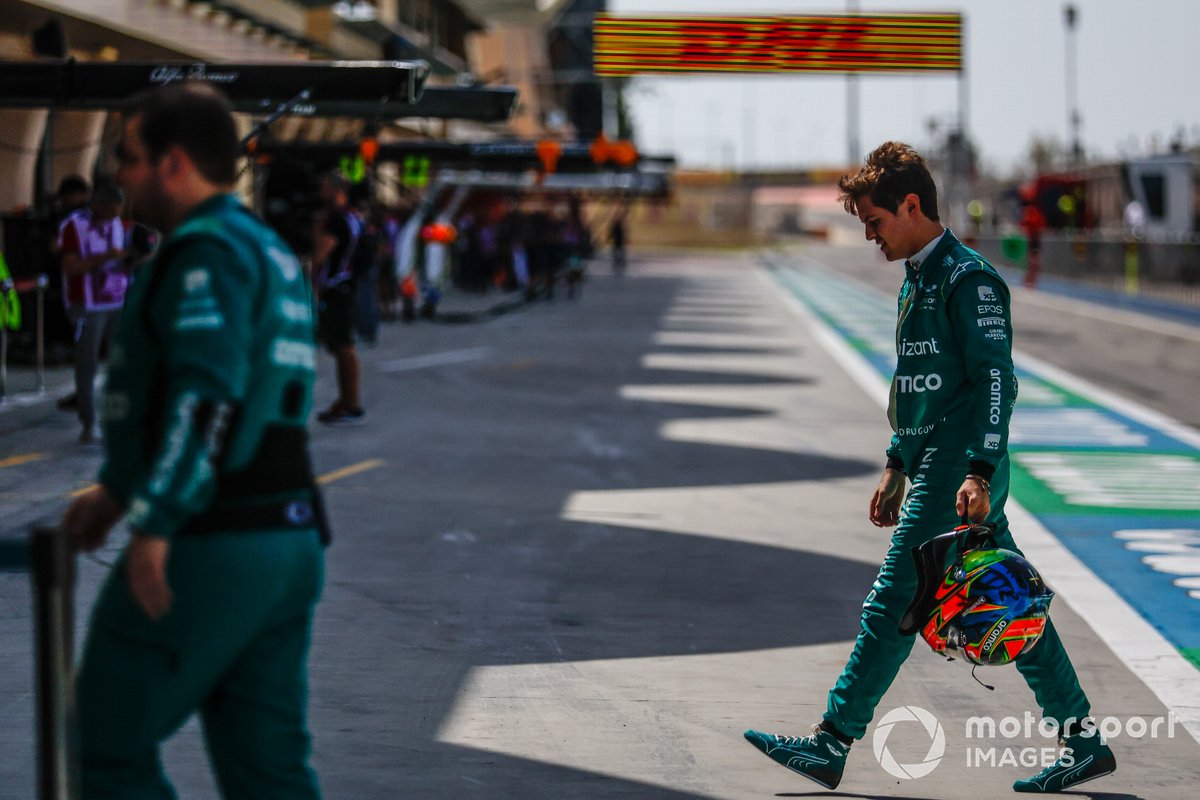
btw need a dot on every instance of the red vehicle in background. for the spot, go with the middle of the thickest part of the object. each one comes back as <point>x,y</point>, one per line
<point>1061,200</point>
<point>1051,201</point>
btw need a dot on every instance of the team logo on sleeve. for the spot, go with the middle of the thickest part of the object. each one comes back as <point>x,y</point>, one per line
<point>986,295</point>
<point>285,262</point>
<point>959,270</point>
<point>196,280</point>
<point>198,309</point>
<point>995,396</point>
<point>991,441</point>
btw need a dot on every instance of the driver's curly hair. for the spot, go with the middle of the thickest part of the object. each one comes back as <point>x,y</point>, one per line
<point>893,171</point>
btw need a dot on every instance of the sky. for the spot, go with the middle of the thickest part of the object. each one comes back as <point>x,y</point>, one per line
<point>1138,84</point>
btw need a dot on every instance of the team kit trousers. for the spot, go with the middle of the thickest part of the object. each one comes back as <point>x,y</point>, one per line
<point>233,647</point>
<point>880,650</point>
<point>93,331</point>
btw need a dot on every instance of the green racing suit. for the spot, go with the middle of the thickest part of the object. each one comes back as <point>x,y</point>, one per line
<point>951,401</point>
<point>205,413</point>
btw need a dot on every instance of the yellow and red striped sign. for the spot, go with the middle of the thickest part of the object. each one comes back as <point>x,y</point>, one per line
<point>848,43</point>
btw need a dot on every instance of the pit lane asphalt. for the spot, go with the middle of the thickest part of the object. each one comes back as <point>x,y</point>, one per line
<point>582,546</point>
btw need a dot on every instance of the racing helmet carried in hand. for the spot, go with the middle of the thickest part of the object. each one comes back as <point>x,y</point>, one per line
<point>990,605</point>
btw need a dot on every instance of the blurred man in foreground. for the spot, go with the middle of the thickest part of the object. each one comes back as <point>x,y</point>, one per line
<point>209,607</point>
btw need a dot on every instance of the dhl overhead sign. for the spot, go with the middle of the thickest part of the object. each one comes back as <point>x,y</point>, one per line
<point>848,43</point>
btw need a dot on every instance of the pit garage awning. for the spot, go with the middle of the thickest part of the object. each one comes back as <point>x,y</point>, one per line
<point>631,183</point>
<point>487,104</point>
<point>252,88</point>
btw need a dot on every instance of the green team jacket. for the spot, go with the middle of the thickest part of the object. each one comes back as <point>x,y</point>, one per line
<point>211,372</point>
<point>954,370</point>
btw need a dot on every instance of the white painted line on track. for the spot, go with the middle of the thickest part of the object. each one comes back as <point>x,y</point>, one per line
<point>1121,316</point>
<point>24,399</point>
<point>435,359</point>
<point>862,372</point>
<point>1142,649</point>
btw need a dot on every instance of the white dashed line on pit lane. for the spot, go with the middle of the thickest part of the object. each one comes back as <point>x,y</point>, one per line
<point>435,359</point>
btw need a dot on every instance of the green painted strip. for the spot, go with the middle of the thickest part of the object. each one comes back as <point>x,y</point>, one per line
<point>1192,654</point>
<point>1107,483</point>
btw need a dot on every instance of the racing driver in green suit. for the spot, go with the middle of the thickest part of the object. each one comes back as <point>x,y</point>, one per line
<point>952,396</point>
<point>209,607</point>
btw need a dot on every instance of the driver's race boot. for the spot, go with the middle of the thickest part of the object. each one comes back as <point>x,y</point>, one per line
<point>820,757</point>
<point>1084,758</point>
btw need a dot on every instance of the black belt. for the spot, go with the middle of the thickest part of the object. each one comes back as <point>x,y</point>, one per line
<point>301,512</point>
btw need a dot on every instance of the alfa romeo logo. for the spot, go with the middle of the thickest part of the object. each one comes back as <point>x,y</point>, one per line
<point>909,714</point>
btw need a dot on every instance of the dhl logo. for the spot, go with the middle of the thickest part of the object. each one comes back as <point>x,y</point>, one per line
<point>851,43</point>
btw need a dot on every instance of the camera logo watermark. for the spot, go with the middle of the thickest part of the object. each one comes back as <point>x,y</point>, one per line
<point>1003,742</point>
<point>937,742</point>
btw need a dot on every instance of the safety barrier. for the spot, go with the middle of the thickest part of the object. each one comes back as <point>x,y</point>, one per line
<point>1161,265</point>
<point>10,318</point>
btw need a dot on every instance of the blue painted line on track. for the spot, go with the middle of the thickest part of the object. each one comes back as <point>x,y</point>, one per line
<point>1107,552</point>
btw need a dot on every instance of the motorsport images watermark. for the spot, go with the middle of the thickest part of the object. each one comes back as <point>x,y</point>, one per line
<point>909,714</point>
<point>991,742</point>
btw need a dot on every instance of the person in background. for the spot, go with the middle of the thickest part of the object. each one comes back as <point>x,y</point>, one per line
<point>616,237</point>
<point>386,285</point>
<point>1033,224</point>
<point>10,300</point>
<point>364,264</point>
<point>93,250</point>
<point>1134,217</point>
<point>576,244</point>
<point>338,231</point>
<point>521,232</point>
<point>73,194</point>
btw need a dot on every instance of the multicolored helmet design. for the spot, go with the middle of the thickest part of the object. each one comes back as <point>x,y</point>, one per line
<point>990,606</point>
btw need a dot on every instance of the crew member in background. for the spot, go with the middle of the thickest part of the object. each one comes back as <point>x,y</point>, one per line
<point>1033,224</point>
<point>91,241</point>
<point>386,286</point>
<point>616,236</point>
<point>73,194</point>
<point>364,265</point>
<point>337,235</point>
